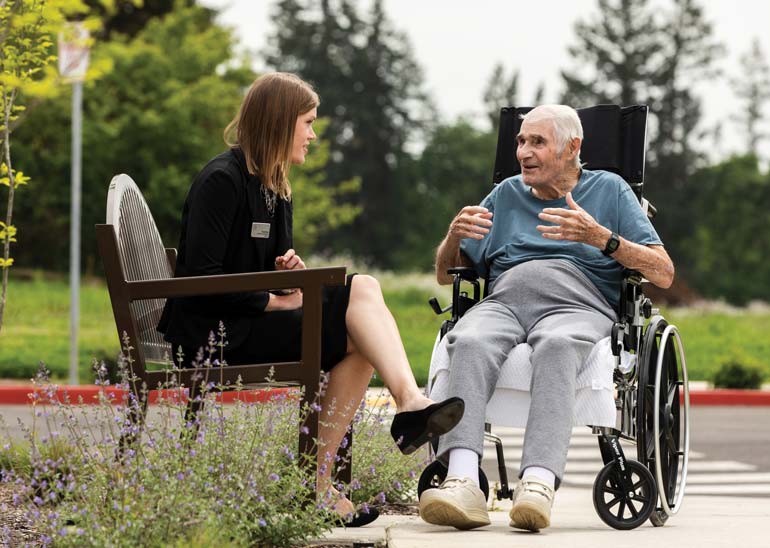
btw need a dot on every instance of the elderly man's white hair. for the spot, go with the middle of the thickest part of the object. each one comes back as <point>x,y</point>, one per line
<point>566,124</point>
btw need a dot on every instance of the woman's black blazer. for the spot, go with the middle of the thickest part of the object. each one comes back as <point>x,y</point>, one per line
<point>221,205</point>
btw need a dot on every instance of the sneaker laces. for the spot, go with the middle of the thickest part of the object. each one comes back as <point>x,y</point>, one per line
<point>455,482</point>
<point>538,487</point>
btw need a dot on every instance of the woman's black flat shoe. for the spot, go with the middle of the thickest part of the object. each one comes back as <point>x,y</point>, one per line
<point>359,519</point>
<point>411,429</point>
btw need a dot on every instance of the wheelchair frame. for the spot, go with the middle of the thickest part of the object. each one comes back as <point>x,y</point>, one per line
<point>652,399</point>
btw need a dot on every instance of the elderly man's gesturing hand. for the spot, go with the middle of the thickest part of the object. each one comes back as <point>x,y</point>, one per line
<point>472,222</point>
<point>573,224</point>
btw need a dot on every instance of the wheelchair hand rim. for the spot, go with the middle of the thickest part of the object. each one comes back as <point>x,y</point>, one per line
<point>671,510</point>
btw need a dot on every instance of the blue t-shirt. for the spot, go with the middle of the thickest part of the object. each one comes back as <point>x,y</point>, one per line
<point>514,238</point>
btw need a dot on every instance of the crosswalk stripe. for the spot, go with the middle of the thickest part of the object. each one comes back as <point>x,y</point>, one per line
<point>705,477</point>
<point>763,489</point>
<point>722,479</point>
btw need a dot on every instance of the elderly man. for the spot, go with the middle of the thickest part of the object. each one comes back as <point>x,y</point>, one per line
<point>554,254</point>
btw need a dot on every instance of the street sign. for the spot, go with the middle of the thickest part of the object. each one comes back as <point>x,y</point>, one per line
<point>73,52</point>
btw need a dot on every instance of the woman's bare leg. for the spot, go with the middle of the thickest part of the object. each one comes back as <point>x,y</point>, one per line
<point>346,387</point>
<point>374,333</point>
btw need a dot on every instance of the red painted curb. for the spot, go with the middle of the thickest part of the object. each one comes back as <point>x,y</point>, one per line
<point>22,394</point>
<point>724,396</point>
<point>90,394</point>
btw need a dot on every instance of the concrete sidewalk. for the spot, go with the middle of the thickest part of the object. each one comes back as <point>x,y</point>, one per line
<point>703,522</point>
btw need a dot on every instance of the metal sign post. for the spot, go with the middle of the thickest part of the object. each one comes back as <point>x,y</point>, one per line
<point>73,63</point>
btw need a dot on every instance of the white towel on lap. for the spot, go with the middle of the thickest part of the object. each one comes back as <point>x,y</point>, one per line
<point>509,406</point>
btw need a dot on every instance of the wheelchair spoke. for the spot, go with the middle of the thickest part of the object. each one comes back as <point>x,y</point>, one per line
<point>613,502</point>
<point>621,509</point>
<point>633,510</point>
<point>673,395</point>
<point>640,498</point>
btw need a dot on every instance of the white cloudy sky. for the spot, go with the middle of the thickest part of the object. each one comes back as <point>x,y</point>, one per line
<point>458,42</point>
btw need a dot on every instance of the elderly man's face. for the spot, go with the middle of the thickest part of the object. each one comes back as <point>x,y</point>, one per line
<point>541,163</point>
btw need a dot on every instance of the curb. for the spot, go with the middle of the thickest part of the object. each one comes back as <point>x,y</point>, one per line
<point>90,394</point>
<point>24,394</point>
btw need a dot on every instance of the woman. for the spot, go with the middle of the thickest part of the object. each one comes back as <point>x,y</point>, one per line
<point>237,217</point>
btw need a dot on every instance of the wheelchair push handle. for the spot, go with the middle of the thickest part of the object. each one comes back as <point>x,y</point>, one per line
<point>467,273</point>
<point>433,302</point>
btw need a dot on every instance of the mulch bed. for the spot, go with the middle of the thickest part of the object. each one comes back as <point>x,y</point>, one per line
<point>12,517</point>
<point>23,535</point>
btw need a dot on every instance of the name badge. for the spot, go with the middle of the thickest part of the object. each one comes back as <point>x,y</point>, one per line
<point>260,230</point>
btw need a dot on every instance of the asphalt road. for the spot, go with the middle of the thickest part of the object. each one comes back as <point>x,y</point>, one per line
<point>732,433</point>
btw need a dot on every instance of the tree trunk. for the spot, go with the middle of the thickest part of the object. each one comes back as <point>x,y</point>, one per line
<point>7,108</point>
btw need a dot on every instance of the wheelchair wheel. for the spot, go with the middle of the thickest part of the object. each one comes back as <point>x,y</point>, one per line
<point>435,473</point>
<point>662,421</point>
<point>620,509</point>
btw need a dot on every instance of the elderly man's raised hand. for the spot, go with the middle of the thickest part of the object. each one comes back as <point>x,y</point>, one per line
<point>472,222</point>
<point>574,224</point>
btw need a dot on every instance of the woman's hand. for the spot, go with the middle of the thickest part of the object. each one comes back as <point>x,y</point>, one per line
<point>289,301</point>
<point>289,261</point>
<point>291,298</point>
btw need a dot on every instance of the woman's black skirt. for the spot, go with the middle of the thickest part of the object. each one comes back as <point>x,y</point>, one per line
<point>277,336</point>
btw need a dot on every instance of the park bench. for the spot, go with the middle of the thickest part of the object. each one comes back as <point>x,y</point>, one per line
<point>140,277</point>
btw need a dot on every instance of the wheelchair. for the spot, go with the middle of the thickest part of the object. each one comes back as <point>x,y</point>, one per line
<point>649,398</point>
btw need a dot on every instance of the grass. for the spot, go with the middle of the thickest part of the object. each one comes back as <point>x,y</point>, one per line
<point>36,328</point>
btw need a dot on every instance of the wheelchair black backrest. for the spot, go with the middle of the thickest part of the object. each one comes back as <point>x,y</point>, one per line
<point>614,139</point>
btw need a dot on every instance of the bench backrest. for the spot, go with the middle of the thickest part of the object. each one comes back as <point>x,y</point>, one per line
<point>142,257</point>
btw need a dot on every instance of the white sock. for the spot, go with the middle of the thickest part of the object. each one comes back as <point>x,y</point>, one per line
<point>464,463</point>
<point>543,474</point>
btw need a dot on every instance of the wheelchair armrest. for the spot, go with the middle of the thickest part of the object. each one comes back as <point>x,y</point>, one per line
<point>467,273</point>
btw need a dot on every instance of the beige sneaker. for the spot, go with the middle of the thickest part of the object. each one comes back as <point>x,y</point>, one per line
<point>457,502</point>
<point>532,501</point>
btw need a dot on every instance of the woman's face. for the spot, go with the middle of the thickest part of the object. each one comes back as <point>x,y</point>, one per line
<point>303,134</point>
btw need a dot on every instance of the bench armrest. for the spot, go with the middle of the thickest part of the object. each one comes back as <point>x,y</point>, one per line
<point>235,283</point>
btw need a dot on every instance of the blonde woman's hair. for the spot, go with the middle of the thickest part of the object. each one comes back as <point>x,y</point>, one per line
<point>264,126</point>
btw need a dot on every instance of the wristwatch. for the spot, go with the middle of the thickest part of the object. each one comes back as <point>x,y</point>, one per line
<point>612,245</point>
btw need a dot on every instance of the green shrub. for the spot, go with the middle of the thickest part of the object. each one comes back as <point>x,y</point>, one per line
<point>738,373</point>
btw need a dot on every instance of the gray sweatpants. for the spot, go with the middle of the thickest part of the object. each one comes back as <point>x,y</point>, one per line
<point>551,305</point>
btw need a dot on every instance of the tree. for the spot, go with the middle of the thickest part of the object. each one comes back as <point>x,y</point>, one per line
<point>370,87</point>
<point>158,116</point>
<point>617,55</point>
<point>752,87</point>
<point>499,92</point>
<point>455,170</point>
<point>633,52</point>
<point>318,209</point>
<point>730,243</point>
<point>127,17</point>
<point>27,75</point>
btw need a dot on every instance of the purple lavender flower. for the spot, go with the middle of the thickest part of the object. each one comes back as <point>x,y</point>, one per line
<point>380,497</point>
<point>273,477</point>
